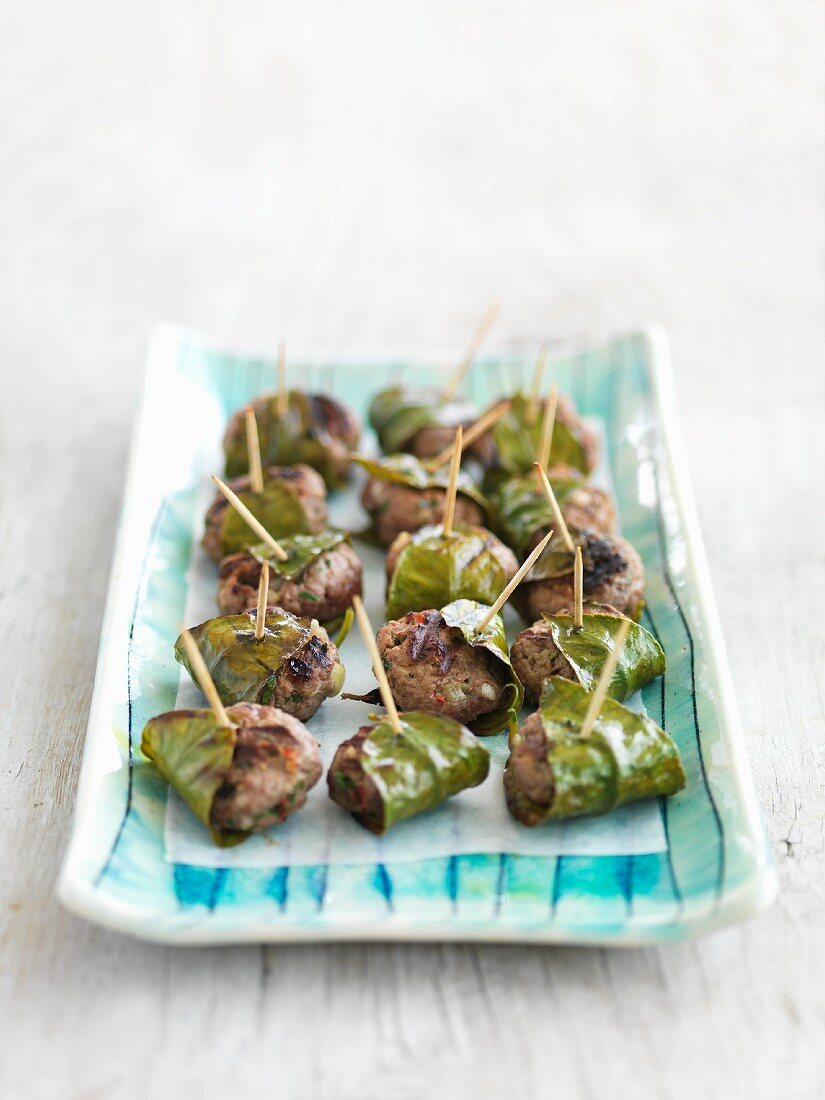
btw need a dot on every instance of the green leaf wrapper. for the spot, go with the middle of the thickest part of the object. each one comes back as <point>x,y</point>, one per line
<point>435,569</point>
<point>404,469</point>
<point>399,412</point>
<point>521,508</point>
<point>301,435</point>
<point>517,441</point>
<point>626,758</point>
<point>588,647</point>
<point>407,773</point>
<point>464,615</point>
<point>193,754</point>
<point>301,551</point>
<point>279,509</point>
<point>243,668</point>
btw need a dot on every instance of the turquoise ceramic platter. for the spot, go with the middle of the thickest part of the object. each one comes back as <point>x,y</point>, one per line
<point>715,869</point>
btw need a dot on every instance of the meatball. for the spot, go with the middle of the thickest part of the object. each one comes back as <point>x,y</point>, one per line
<point>431,441</point>
<point>352,787</point>
<point>586,508</point>
<point>323,591</point>
<point>503,554</point>
<point>331,423</point>
<point>394,508</point>
<point>311,675</point>
<point>535,657</point>
<point>613,574</point>
<point>274,765</point>
<point>565,414</point>
<point>431,667</point>
<point>529,785</point>
<point>307,485</point>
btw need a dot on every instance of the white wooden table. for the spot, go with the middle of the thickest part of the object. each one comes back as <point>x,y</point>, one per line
<point>367,175</point>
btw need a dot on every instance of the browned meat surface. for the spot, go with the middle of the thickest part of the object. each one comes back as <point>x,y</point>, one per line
<point>351,788</point>
<point>338,420</point>
<point>429,442</point>
<point>503,554</point>
<point>323,591</point>
<point>535,657</point>
<point>341,425</point>
<point>394,508</point>
<point>431,667</point>
<point>586,508</point>
<point>274,765</point>
<point>613,574</point>
<point>306,483</point>
<point>528,774</point>
<point>310,676</point>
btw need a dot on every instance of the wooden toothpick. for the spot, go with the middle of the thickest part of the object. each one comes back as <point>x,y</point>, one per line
<point>452,488</point>
<point>282,403</point>
<point>507,592</point>
<point>483,424</point>
<point>535,389</point>
<point>251,521</point>
<point>253,449</point>
<point>546,433</point>
<point>604,681</point>
<point>578,586</point>
<point>377,667</point>
<point>204,680</point>
<point>454,383</point>
<point>263,597</point>
<point>554,504</point>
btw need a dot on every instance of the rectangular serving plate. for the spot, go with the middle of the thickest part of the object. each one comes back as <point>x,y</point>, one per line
<point>717,868</point>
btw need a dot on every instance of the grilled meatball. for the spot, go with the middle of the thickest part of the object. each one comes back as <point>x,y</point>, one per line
<point>587,508</point>
<point>394,508</point>
<point>323,591</point>
<point>565,414</point>
<point>613,574</point>
<point>307,485</point>
<point>503,554</point>
<point>331,420</point>
<point>308,677</point>
<point>534,655</point>
<point>528,776</point>
<point>274,765</point>
<point>431,667</point>
<point>351,786</point>
<point>429,442</point>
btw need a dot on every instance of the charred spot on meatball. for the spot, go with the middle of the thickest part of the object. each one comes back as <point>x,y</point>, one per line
<point>431,667</point>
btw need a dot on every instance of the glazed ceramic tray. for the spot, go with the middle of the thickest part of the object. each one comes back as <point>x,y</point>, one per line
<point>713,867</point>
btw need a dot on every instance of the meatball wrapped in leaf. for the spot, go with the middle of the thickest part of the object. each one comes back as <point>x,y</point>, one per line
<point>612,574</point>
<point>382,777</point>
<point>553,773</point>
<point>401,495</point>
<point>523,514</point>
<point>417,419</point>
<point>318,580</point>
<point>430,569</point>
<point>315,429</point>
<point>293,502</point>
<point>555,646</point>
<point>436,662</point>
<point>237,779</point>
<point>294,665</point>
<point>516,435</point>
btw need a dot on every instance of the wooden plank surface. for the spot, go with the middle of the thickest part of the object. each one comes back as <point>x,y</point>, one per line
<point>370,175</point>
